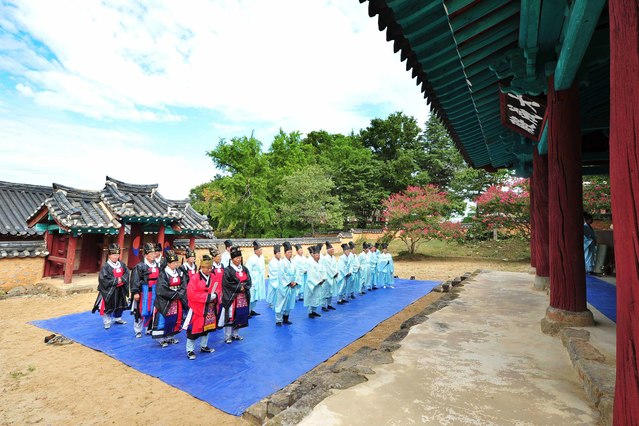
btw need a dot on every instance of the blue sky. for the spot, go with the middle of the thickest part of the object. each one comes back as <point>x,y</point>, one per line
<point>141,90</point>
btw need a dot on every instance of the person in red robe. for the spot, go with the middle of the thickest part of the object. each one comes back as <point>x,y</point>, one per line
<point>113,288</point>
<point>201,293</point>
<point>236,297</point>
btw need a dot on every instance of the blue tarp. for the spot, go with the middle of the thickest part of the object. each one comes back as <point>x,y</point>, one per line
<point>240,374</point>
<point>602,295</point>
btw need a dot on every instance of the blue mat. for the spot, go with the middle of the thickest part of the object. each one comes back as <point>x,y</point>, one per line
<point>602,295</point>
<point>240,374</point>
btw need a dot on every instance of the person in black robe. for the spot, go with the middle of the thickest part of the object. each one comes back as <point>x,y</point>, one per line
<point>188,266</point>
<point>170,302</point>
<point>144,278</point>
<point>236,297</point>
<point>113,288</point>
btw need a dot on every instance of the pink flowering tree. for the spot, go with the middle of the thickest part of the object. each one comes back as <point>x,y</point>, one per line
<point>505,209</point>
<point>597,196</point>
<point>420,214</point>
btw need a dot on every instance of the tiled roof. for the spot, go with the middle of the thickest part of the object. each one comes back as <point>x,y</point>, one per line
<point>29,248</point>
<point>202,243</point>
<point>79,210</point>
<point>17,202</point>
<point>367,231</point>
<point>192,220</point>
<point>141,201</point>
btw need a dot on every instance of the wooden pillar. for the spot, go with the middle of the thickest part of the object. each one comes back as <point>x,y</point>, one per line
<point>565,214</point>
<point>533,227</point>
<point>624,179</point>
<point>68,267</point>
<point>539,188</point>
<point>136,237</point>
<point>161,236</point>
<point>192,242</point>
<point>121,237</point>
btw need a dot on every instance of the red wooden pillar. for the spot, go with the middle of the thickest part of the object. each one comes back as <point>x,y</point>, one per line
<point>68,268</point>
<point>624,179</point>
<point>161,236</point>
<point>192,243</point>
<point>565,214</point>
<point>539,187</point>
<point>533,227</point>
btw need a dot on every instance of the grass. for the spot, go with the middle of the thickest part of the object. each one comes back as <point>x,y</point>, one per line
<point>19,374</point>
<point>510,250</point>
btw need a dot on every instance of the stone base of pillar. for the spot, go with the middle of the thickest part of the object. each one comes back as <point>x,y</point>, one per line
<point>532,270</point>
<point>541,283</point>
<point>557,319</point>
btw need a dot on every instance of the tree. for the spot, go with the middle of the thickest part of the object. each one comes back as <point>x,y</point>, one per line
<point>306,200</point>
<point>441,159</point>
<point>596,196</point>
<point>505,208</point>
<point>419,214</point>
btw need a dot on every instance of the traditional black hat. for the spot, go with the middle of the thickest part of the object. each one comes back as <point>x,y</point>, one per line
<point>311,249</point>
<point>235,252</point>
<point>287,246</point>
<point>158,247</point>
<point>384,245</point>
<point>228,243</point>
<point>214,251</point>
<point>276,248</point>
<point>376,245</point>
<point>149,248</point>
<point>189,253</point>
<point>365,245</point>
<point>298,247</point>
<point>256,245</point>
<point>328,245</point>
<point>114,248</point>
<point>345,247</point>
<point>318,247</point>
<point>171,256</point>
<point>351,245</point>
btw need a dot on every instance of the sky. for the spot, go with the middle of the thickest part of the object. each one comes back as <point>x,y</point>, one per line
<point>140,91</point>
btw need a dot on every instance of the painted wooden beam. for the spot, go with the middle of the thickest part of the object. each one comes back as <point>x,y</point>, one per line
<point>70,260</point>
<point>580,26</point>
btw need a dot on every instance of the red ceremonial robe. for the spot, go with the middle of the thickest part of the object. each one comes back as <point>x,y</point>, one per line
<point>203,306</point>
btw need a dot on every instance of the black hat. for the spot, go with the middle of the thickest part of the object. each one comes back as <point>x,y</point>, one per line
<point>171,256</point>
<point>311,249</point>
<point>189,253</point>
<point>318,247</point>
<point>376,245</point>
<point>345,247</point>
<point>158,247</point>
<point>328,245</point>
<point>287,246</point>
<point>276,248</point>
<point>384,245</point>
<point>298,247</point>
<point>114,248</point>
<point>228,243</point>
<point>235,252</point>
<point>351,245</point>
<point>214,251</point>
<point>256,245</point>
<point>149,248</point>
<point>365,245</point>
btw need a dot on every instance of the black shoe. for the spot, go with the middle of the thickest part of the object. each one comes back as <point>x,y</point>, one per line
<point>207,350</point>
<point>311,315</point>
<point>253,313</point>
<point>362,292</point>
<point>315,314</point>
<point>341,302</point>
<point>238,337</point>
<point>331,308</point>
<point>191,355</point>
<point>286,321</point>
<point>324,309</point>
<point>345,301</point>
<point>279,324</point>
<point>352,296</point>
<point>374,288</point>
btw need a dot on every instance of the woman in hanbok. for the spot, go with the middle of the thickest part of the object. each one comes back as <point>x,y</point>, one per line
<point>113,288</point>
<point>170,302</point>
<point>202,318</point>
<point>236,286</point>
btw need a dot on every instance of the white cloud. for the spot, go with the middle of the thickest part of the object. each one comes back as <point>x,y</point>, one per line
<point>299,65</point>
<point>82,156</point>
<point>24,89</point>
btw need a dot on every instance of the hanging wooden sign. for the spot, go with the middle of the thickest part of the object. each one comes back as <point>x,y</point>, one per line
<point>523,113</point>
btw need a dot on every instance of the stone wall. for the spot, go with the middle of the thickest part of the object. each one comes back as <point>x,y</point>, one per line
<point>16,272</point>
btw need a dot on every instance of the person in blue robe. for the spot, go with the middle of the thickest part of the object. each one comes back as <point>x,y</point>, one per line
<point>300,264</point>
<point>344,275</point>
<point>329,287</point>
<point>373,261</point>
<point>353,285</point>
<point>385,268</point>
<point>285,294</point>
<point>590,243</point>
<point>256,266</point>
<point>314,282</point>
<point>273,275</point>
<point>364,269</point>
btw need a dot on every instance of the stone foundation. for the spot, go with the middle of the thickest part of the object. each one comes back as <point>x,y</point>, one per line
<point>558,319</point>
<point>541,283</point>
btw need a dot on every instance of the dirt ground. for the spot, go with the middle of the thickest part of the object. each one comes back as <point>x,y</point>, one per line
<point>61,384</point>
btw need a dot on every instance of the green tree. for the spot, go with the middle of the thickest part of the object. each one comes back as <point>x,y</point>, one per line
<point>306,200</point>
<point>441,159</point>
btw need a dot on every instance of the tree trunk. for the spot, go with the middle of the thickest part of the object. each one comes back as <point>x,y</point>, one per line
<point>624,179</point>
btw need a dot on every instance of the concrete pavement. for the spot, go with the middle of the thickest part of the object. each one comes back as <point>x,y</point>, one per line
<point>480,361</point>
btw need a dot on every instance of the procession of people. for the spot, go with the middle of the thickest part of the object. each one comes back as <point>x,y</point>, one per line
<point>167,296</point>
